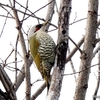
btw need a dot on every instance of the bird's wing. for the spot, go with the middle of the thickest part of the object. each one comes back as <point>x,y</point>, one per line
<point>34,51</point>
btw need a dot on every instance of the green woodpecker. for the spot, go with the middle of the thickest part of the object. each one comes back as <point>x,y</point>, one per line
<point>42,48</point>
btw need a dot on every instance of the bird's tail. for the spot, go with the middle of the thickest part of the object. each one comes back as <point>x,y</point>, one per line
<point>48,81</point>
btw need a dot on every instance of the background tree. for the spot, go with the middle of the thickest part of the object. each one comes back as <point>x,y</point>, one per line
<point>16,18</point>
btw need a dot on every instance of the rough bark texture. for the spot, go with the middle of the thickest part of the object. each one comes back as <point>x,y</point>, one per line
<point>86,57</point>
<point>7,84</point>
<point>63,30</point>
<point>4,96</point>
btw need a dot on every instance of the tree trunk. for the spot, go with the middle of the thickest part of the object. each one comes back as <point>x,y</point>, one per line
<point>63,31</point>
<point>86,56</point>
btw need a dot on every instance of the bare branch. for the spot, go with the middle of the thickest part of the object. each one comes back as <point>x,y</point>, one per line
<point>50,11</point>
<point>78,21</point>
<point>7,83</point>
<point>16,59</point>
<point>7,11</point>
<point>88,47</point>
<point>26,14</point>
<point>27,70</point>
<point>25,10</point>
<point>75,44</point>
<point>21,75</point>
<point>7,16</point>
<point>9,55</point>
<point>74,50</point>
<point>78,72</point>
<point>72,65</point>
<point>10,2</point>
<point>44,6</point>
<point>98,79</point>
<point>4,25</point>
<point>38,92</point>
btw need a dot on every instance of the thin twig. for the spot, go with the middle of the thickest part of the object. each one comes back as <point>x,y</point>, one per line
<point>27,14</point>
<point>74,50</point>
<point>82,70</point>
<point>75,17</point>
<point>36,81</point>
<point>25,10</point>
<point>72,65</point>
<point>13,69</point>
<point>74,44</point>
<point>9,55</point>
<point>7,11</point>
<point>77,21</point>
<point>16,58</point>
<point>7,16</point>
<point>41,8</point>
<point>4,25</point>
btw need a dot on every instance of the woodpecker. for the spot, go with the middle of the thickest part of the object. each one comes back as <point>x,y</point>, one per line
<point>42,48</point>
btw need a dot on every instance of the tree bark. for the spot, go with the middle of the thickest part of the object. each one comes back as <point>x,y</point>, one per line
<point>25,54</point>
<point>63,31</point>
<point>87,54</point>
<point>7,84</point>
<point>50,12</point>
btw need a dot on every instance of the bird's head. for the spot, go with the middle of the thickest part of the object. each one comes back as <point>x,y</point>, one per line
<point>36,28</point>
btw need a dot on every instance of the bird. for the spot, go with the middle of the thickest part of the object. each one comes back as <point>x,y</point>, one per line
<point>42,49</point>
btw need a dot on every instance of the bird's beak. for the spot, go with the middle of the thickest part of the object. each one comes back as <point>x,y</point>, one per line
<point>45,23</point>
